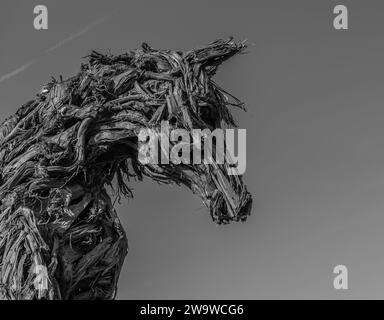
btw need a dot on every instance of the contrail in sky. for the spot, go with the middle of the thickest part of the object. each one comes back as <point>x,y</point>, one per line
<point>17,71</point>
<point>63,42</point>
<point>78,34</point>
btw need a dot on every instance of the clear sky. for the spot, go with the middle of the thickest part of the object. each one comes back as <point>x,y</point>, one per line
<point>315,151</point>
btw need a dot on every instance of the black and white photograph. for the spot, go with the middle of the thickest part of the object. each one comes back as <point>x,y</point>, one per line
<point>191,156</point>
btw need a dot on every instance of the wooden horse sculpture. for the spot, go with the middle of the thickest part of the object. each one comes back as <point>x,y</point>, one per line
<point>60,237</point>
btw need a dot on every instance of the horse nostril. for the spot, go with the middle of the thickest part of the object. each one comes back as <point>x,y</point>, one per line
<point>245,211</point>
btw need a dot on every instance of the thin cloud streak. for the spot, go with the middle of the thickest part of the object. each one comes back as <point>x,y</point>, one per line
<point>17,71</point>
<point>78,34</point>
<point>72,37</point>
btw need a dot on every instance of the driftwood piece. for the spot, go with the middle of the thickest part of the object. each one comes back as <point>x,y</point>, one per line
<point>60,237</point>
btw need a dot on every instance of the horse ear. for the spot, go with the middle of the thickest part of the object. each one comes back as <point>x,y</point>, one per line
<point>146,47</point>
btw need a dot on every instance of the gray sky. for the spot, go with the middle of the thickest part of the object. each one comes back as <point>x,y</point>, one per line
<point>315,156</point>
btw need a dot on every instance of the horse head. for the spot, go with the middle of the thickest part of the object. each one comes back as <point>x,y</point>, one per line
<point>60,237</point>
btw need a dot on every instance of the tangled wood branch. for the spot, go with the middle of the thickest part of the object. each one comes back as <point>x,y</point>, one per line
<point>60,237</point>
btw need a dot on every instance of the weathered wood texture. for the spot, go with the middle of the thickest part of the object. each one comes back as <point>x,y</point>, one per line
<point>60,237</point>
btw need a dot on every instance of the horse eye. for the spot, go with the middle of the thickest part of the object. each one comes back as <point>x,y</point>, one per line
<point>87,240</point>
